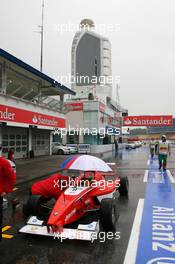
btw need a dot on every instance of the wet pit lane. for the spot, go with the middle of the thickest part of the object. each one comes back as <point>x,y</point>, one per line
<point>30,249</point>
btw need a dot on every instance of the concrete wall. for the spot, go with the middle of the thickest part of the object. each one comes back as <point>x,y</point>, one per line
<point>101,148</point>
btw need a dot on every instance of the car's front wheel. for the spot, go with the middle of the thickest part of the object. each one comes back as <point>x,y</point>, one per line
<point>36,206</point>
<point>124,186</point>
<point>108,214</point>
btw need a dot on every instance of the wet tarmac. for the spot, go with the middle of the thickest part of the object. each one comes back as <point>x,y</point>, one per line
<point>25,249</point>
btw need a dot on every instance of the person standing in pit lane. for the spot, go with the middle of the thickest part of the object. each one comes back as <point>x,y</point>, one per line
<point>7,182</point>
<point>156,147</point>
<point>152,148</point>
<point>163,151</point>
<point>116,145</point>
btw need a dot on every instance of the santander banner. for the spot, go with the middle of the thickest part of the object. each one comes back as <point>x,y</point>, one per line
<point>163,120</point>
<point>12,114</point>
<point>77,106</point>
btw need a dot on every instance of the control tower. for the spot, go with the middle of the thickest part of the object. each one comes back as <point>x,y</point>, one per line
<point>91,64</point>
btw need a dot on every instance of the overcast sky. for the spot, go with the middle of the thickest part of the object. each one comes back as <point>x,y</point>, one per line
<point>143,50</point>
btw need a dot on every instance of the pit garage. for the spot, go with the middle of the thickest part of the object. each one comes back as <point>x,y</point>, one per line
<point>28,111</point>
<point>16,138</point>
<point>41,142</point>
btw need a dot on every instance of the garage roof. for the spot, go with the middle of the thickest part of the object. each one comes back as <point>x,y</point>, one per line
<point>54,88</point>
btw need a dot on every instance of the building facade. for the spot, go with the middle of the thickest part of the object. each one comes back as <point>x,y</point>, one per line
<point>93,107</point>
<point>28,111</point>
<point>91,64</point>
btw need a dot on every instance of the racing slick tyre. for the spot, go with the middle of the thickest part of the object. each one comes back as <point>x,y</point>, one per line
<point>60,152</point>
<point>108,215</point>
<point>35,206</point>
<point>124,186</point>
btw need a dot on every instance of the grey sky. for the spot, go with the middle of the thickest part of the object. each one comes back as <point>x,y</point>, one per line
<point>143,50</point>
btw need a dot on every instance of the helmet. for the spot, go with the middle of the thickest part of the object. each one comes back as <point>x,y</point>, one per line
<point>163,136</point>
<point>89,174</point>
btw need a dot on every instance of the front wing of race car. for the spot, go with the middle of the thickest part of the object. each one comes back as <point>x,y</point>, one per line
<point>86,232</point>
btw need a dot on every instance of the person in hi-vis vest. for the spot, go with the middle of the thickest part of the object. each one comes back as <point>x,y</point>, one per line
<point>163,151</point>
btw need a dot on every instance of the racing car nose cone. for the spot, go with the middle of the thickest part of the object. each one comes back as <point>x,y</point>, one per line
<point>55,213</point>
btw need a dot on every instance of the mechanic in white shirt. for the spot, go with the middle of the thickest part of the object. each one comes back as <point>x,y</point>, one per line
<point>163,151</point>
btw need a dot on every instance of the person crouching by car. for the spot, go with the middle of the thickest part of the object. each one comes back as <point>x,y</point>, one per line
<point>7,182</point>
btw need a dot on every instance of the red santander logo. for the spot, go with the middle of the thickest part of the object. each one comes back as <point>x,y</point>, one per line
<point>35,120</point>
<point>13,114</point>
<point>7,115</point>
<point>163,120</point>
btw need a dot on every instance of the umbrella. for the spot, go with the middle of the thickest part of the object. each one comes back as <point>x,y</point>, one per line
<point>85,163</point>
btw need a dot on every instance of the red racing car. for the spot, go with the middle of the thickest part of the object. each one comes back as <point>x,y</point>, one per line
<point>78,199</point>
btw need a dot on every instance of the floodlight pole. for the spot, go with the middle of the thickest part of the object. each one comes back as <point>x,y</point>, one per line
<point>42,33</point>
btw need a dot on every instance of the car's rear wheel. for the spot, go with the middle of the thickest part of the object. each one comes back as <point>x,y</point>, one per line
<point>36,205</point>
<point>124,186</point>
<point>60,152</point>
<point>108,214</point>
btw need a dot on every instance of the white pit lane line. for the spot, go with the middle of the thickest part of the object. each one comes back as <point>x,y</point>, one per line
<point>145,178</point>
<point>172,180</point>
<point>131,252</point>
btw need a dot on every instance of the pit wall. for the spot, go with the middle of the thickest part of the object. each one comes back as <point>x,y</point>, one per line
<point>101,149</point>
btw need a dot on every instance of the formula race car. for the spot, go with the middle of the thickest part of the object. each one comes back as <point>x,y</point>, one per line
<point>84,202</point>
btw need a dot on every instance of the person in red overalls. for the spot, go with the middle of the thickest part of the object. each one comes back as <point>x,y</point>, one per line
<point>7,182</point>
<point>11,155</point>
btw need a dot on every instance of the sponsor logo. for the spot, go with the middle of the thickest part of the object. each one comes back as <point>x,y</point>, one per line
<point>34,228</point>
<point>128,122</point>
<point>46,121</point>
<point>163,229</point>
<point>74,106</point>
<point>147,120</point>
<point>70,215</point>
<point>75,190</point>
<point>12,114</point>
<point>7,115</point>
<point>43,121</point>
<point>161,261</point>
<point>35,120</point>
